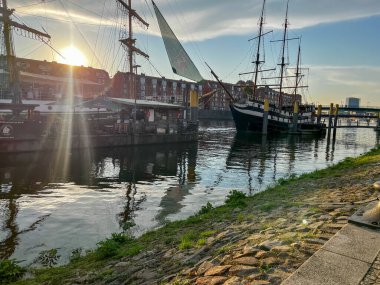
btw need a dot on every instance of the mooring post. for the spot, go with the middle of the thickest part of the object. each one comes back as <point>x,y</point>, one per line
<point>319,114</point>
<point>295,117</point>
<point>194,106</point>
<point>330,119</point>
<point>265,116</point>
<point>336,119</point>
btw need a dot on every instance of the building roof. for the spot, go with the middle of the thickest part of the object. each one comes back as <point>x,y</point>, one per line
<point>145,103</point>
<point>54,79</point>
<point>117,103</point>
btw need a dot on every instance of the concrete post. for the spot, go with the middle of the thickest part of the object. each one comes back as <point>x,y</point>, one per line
<point>265,116</point>
<point>295,117</point>
<point>319,114</point>
<point>336,119</point>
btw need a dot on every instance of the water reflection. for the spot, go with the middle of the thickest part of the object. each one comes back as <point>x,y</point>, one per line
<point>261,156</point>
<point>44,205</point>
<point>34,178</point>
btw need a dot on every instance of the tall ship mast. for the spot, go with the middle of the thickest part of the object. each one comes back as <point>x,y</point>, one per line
<point>7,49</point>
<point>283,64</point>
<point>130,43</point>
<point>258,62</point>
<point>271,111</point>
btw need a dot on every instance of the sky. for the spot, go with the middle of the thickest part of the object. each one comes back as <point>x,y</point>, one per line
<point>339,39</point>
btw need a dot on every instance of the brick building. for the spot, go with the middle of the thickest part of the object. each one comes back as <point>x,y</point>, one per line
<point>168,90</point>
<point>45,80</point>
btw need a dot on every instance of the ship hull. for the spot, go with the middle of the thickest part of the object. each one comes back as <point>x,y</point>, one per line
<point>249,117</point>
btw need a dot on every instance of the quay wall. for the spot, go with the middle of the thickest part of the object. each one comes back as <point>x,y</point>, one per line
<point>95,141</point>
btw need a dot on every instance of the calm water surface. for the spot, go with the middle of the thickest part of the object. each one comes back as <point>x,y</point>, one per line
<point>74,200</point>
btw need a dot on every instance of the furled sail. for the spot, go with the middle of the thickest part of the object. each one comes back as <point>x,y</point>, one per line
<point>179,59</point>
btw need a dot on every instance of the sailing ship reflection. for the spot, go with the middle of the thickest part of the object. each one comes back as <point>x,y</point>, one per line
<point>32,175</point>
<point>261,156</point>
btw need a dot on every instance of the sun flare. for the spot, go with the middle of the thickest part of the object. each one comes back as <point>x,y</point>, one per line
<point>72,56</point>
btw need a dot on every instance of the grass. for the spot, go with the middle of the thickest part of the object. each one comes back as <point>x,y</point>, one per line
<point>209,221</point>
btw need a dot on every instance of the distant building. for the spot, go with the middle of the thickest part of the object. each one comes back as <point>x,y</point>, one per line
<point>353,102</point>
<point>169,90</point>
<point>45,80</point>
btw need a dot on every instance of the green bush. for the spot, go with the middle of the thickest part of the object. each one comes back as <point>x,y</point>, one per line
<point>111,246</point>
<point>205,209</point>
<point>236,199</point>
<point>10,271</point>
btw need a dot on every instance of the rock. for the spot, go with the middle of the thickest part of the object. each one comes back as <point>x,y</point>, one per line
<point>262,254</point>
<point>255,237</point>
<point>334,226</point>
<point>204,267</point>
<point>278,276</point>
<point>225,259</point>
<point>217,270</point>
<point>248,260</point>
<point>268,244</point>
<point>281,248</point>
<point>211,280</point>
<point>147,274</point>
<point>242,270</point>
<point>250,250</point>
<point>325,217</point>
<point>259,282</point>
<point>122,264</point>
<point>315,241</point>
<point>233,281</point>
<point>169,253</point>
<point>196,256</point>
<point>224,234</point>
<point>316,225</point>
<point>270,261</point>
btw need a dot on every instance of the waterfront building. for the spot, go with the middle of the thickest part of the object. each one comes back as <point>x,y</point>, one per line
<point>169,90</point>
<point>353,102</point>
<point>43,80</point>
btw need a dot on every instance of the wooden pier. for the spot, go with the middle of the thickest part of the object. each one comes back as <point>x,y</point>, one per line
<point>335,113</point>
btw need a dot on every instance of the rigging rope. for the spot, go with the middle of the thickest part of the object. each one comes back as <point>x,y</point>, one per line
<point>97,34</point>
<point>79,31</point>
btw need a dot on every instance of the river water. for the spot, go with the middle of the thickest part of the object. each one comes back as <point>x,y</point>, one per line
<point>73,200</point>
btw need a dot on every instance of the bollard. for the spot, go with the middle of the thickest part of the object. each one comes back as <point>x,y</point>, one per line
<point>295,117</point>
<point>336,119</point>
<point>330,119</point>
<point>319,114</point>
<point>265,116</point>
<point>193,106</point>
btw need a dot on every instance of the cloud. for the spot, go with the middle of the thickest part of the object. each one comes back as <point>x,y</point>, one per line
<point>336,83</point>
<point>201,20</point>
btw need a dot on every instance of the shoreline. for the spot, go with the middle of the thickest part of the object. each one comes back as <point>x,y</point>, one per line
<point>250,240</point>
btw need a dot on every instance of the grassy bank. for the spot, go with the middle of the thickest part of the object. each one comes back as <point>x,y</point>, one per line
<point>275,231</point>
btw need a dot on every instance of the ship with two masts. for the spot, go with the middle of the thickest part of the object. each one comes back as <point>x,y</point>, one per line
<point>22,129</point>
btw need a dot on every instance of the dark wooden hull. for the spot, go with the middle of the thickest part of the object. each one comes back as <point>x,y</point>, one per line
<point>249,118</point>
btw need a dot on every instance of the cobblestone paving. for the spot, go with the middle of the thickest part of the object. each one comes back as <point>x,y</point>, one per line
<point>373,275</point>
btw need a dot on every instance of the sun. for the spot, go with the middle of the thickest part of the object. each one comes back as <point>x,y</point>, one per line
<point>72,56</point>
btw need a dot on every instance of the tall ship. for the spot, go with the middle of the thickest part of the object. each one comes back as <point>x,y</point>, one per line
<point>268,109</point>
<point>126,122</point>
